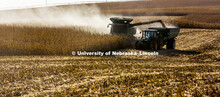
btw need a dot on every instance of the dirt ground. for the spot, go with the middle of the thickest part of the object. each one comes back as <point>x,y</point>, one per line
<point>191,70</point>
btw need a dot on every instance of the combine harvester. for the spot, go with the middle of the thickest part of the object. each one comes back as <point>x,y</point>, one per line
<point>152,38</point>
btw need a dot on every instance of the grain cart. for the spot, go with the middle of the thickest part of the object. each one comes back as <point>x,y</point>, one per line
<point>152,38</point>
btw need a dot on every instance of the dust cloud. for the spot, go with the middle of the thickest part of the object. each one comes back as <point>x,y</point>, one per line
<point>86,16</point>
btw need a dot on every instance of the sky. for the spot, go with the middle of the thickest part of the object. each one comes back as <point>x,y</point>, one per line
<point>18,4</point>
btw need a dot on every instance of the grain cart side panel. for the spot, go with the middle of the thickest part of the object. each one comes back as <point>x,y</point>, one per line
<point>168,32</point>
<point>174,32</point>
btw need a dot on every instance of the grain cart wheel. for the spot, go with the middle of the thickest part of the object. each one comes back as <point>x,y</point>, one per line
<point>155,46</point>
<point>171,43</point>
<point>174,44</point>
<point>160,44</point>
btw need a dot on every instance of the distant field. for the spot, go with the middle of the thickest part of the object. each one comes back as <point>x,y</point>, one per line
<point>194,13</point>
<point>144,4</point>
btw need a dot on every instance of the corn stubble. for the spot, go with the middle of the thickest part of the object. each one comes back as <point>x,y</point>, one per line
<point>191,70</point>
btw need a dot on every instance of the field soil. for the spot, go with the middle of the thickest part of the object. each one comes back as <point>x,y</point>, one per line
<point>191,70</point>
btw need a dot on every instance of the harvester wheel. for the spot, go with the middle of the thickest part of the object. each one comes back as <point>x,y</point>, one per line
<point>137,45</point>
<point>155,46</point>
<point>171,43</point>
